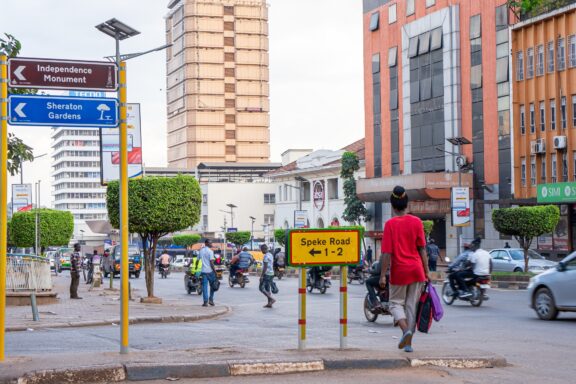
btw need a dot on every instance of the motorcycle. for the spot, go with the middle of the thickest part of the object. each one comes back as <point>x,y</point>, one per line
<point>164,270</point>
<point>240,278</point>
<point>219,269</point>
<point>356,273</point>
<point>192,283</point>
<point>476,285</point>
<point>373,310</point>
<point>279,272</point>
<point>322,282</point>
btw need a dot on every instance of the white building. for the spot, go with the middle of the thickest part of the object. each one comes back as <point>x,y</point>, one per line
<point>76,179</point>
<point>312,183</point>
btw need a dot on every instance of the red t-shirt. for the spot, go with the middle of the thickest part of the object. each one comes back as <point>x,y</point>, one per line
<point>402,236</point>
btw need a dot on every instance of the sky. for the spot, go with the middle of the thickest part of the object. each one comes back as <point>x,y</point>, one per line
<point>316,81</point>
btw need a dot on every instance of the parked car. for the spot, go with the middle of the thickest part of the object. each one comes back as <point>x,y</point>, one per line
<point>179,261</point>
<point>64,255</point>
<point>134,260</point>
<point>512,260</point>
<point>554,290</point>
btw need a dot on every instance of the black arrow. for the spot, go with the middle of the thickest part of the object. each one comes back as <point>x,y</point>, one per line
<point>314,253</point>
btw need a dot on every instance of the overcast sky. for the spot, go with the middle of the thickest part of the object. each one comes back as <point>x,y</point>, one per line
<point>316,84</point>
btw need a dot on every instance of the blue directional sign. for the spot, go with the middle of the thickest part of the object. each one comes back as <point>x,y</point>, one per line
<point>57,111</point>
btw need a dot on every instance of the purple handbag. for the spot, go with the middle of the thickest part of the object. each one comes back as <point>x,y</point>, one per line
<point>437,310</point>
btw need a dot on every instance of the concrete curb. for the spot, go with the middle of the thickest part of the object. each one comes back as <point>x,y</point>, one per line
<point>154,371</point>
<point>133,320</point>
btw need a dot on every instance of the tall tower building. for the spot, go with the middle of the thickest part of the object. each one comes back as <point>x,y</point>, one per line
<point>217,82</point>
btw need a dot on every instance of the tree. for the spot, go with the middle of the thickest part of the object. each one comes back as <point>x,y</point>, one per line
<point>532,8</point>
<point>280,236</point>
<point>56,228</point>
<point>526,223</point>
<point>355,211</point>
<point>186,240</point>
<point>238,238</point>
<point>18,152</point>
<point>157,206</point>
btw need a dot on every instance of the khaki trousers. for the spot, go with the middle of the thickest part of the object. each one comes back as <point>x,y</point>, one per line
<point>404,302</point>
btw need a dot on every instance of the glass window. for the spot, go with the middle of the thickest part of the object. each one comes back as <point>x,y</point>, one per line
<point>502,50</point>
<point>523,172</point>
<point>476,77</point>
<point>564,166</point>
<point>554,165</point>
<point>540,60</point>
<point>376,63</point>
<point>561,59</point>
<point>542,116</point>
<point>269,198</point>
<point>522,120</point>
<point>504,123</point>
<point>543,170</point>
<point>550,56</point>
<point>413,47</point>
<point>333,188</point>
<point>424,44</point>
<point>374,21</point>
<point>519,66</point>
<point>553,114</point>
<point>530,63</point>
<point>502,17</point>
<point>532,119</point>
<point>533,170</point>
<point>563,112</point>
<point>476,45</point>
<point>502,70</point>
<point>392,14</point>
<point>572,51</point>
<point>574,111</point>
<point>475,27</point>
<point>430,3</point>
<point>409,7</point>
<point>392,56</point>
<point>436,39</point>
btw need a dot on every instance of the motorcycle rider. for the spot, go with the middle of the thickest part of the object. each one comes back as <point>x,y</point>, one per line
<point>164,260</point>
<point>458,265</point>
<point>480,265</point>
<point>373,283</point>
<point>195,265</point>
<point>243,260</point>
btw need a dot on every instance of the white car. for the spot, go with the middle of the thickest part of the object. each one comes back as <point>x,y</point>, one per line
<point>50,256</point>
<point>179,261</point>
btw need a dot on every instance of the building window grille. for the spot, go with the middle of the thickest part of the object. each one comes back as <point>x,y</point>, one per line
<point>572,51</point>
<point>522,120</point>
<point>269,198</point>
<point>533,170</point>
<point>542,116</point>
<point>561,59</point>
<point>553,114</point>
<point>564,166</point>
<point>554,170</point>
<point>523,173</point>
<point>530,63</point>
<point>543,171</point>
<point>550,56</point>
<point>563,112</point>
<point>574,111</point>
<point>540,61</point>
<point>532,119</point>
<point>519,66</point>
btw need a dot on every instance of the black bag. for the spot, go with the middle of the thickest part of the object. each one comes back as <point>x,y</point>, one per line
<point>215,284</point>
<point>425,312</point>
<point>274,288</point>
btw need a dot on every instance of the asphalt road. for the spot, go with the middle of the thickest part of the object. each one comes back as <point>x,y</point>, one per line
<point>504,325</point>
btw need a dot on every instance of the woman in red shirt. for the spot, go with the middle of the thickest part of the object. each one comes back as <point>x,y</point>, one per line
<point>404,251</point>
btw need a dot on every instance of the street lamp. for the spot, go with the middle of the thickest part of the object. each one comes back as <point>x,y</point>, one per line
<point>252,233</point>
<point>231,206</point>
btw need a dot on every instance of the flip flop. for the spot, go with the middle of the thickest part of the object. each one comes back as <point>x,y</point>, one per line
<point>405,340</point>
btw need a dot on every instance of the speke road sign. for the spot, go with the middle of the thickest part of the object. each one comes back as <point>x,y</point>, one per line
<point>309,247</point>
<point>62,74</point>
<point>62,111</point>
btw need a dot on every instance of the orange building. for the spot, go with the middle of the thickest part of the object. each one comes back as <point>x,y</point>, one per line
<point>437,70</point>
<point>544,108</point>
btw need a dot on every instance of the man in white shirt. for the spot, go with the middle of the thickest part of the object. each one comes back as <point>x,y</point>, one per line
<point>267,277</point>
<point>208,274</point>
<point>480,265</point>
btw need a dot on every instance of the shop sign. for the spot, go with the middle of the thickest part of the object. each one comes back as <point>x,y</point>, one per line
<point>319,195</point>
<point>460,202</point>
<point>556,193</point>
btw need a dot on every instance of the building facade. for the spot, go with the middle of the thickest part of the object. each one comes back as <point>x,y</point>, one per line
<point>437,74</point>
<point>217,82</point>
<point>76,179</point>
<point>544,107</point>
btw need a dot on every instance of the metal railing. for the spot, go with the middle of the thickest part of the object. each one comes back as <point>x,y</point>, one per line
<point>28,273</point>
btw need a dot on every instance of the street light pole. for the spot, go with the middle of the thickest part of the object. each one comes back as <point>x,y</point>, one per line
<point>252,233</point>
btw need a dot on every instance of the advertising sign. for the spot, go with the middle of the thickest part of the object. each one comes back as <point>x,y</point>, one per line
<point>61,111</point>
<point>21,197</point>
<point>323,247</point>
<point>300,219</point>
<point>62,74</point>
<point>460,203</point>
<point>319,195</point>
<point>556,193</point>
<point>110,145</point>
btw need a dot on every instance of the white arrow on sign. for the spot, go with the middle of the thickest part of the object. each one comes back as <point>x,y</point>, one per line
<point>18,72</point>
<point>18,109</point>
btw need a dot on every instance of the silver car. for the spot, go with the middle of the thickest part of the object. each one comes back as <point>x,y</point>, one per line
<point>554,290</point>
<point>512,260</point>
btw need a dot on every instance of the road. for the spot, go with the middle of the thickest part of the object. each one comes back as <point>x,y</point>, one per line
<point>504,325</point>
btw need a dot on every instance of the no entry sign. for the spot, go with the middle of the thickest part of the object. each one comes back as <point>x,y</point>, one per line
<point>62,74</point>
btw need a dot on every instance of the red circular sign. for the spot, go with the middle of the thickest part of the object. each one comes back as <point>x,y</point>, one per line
<point>319,195</point>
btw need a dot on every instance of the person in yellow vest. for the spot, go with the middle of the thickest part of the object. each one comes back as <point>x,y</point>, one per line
<point>195,266</point>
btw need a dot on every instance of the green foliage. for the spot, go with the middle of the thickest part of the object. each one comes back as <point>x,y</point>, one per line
<point>280,236</point>
<point>9,234</point>
<point>186,240</point>
<point>157,206</point>
<point>56,228</point>
<point>238,238</point>
<point>428,226</point>
<point>355,211</point>
<point>531,8</point>
<point>526,223</point>
<point>10,46</point>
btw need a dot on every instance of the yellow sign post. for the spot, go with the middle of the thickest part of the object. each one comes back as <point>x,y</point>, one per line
<point>3,197</point>
<point>322,247</point>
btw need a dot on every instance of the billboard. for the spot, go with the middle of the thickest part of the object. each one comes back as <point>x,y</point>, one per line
<point>460,206</point>
<point>21,197</point>
<point>110,148</point>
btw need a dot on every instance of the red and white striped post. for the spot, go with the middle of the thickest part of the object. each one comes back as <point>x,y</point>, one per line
<point>343,306</point>
<point>301,309</point>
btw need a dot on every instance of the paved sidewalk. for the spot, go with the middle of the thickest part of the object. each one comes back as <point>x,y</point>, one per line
<point>221,362</point>
<point>101,306</point>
